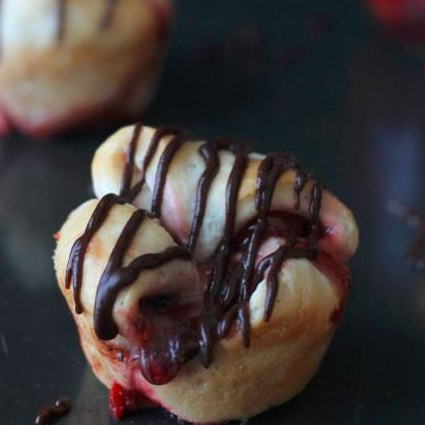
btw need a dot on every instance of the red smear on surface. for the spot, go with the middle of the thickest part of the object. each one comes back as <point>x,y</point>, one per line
<point>339,275</point>
<point>122,401</point>
<point>117,401</point>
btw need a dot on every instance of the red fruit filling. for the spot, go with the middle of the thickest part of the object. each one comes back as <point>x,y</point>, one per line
<point>122,400</point>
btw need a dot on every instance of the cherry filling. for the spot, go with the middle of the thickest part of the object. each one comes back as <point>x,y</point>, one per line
<point>167,343</point>
<point>169,339</point>
<point>122,400</point>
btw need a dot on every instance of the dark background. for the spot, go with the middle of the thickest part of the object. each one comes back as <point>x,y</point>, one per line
<point>319,79</point>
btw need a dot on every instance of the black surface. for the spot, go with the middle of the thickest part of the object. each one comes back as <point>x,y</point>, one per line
<point>348,101</point>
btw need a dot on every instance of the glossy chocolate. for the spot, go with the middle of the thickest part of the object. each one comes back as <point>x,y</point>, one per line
<point>74,270</point>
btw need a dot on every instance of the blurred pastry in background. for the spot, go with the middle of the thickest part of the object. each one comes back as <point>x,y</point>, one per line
<point>72,64</point>
<point>404,18</point>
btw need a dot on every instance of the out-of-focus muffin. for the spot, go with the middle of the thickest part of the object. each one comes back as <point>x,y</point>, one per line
<point>68,64</point>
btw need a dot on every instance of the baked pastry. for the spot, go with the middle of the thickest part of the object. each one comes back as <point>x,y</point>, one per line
<point>68,63</point>
<point>205,279</point>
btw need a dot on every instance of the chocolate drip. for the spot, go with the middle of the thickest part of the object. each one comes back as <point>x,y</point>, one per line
<point>129,165</point>
<point>231,284</point>
<point>210,157</point>
<point>104,326</point>
<point>300,182</point>
<point>232,191</point>
<point>272,167</point>
<point>74,269</point>
<point>213,309</point>
<point>314,211</point>
<point>61,15</point>
<point>236,290</point>
<point>116,279</point>
<point>152,149</point>
<point>161,174</point>
<point>74,272</point>
<point>109,14</point>
<point>59,409</point>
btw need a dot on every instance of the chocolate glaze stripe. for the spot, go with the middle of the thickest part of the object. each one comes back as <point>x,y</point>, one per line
<point>74,269</point>
<point>237,286</point>
<point>234,183</point>
<point>130,159</point>
<point>160,134</point>
<point>290,251</point>
<point>244,323</point>
<point>270,169</point>
<point>300,183</point>
<point>314,211</point>
<point>74,272</point>
<point>118,279</point>
<point>210,157</point>
<point>59,409</point>
<point>232,192</point>
<point>104,325</point>
<point>277,258</point>
<point>269,172</point>
<point>219,272</point>
<point>161,174</point>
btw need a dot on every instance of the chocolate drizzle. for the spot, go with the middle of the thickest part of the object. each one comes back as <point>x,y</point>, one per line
<point>115,279</point>
<point>161,175</point>
<point>231,283</point>
<point>129,165</point>
<point>300,182</point>
<point>74,269</point>
<point>59,409</point>
<point>131,193</point>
